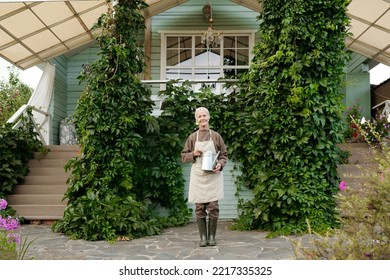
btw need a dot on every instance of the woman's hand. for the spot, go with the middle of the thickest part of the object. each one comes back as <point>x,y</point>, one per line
<point>217,168</point>
<point>197,153</point>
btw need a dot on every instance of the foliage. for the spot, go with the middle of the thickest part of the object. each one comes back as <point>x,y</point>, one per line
<point>292,119</point>
<point>351,130</point>
<point>375,131</point>
<point>121,173</point>
<point>9,236</point>
<point>13,95</point>
<point>17,147</point>
<point>365,206</point>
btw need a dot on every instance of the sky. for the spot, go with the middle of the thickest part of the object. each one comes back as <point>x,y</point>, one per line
<point>31,76</point>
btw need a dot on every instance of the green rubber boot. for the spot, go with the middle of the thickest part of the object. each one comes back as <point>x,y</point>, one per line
<point>202,232</point>
<point>212,231</point>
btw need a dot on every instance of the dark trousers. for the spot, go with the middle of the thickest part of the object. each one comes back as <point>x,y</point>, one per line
<point>212,208</point>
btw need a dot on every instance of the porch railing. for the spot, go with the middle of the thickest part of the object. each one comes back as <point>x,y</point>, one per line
<point>196,81</point>
<point>22,111</point>
<point>159,100</point>
<point>16,119</point>
<point>386,109</point>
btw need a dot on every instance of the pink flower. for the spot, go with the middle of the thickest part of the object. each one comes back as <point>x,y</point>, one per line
<point>343,186</point>
<point>14,238</point>
<point>3,204</point>
<point>9,223</point>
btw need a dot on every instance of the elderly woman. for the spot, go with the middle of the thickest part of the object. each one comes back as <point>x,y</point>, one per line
<point>206,187</point>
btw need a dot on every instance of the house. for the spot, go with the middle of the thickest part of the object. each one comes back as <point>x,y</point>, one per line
<point>177,32</point>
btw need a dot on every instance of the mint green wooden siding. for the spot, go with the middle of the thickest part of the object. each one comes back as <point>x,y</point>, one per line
<point>75,67</point>
<point>67,89</point>
<point>59,98</point>
<point>357,91</point>
<point>357,88</point>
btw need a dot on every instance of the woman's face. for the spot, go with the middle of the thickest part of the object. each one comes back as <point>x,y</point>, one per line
<point>202,119</point>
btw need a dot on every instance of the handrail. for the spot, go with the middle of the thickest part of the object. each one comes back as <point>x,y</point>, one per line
<point>176,81</point>
<point>15,119</point>
<point>380,104</point>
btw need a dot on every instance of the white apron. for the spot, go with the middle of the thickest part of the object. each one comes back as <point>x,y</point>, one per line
<point>204,186</point>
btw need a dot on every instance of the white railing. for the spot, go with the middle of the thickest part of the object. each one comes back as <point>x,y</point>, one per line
<point>386,109</point>
<point>190,81</point>
<point>22,111</point>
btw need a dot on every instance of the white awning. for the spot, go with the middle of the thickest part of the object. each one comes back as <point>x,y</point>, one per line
<point>34,32</point>
<point>370,26</point>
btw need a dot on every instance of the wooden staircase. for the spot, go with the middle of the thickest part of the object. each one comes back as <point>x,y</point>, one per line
<point>40,197</point>
<point>361,161</point>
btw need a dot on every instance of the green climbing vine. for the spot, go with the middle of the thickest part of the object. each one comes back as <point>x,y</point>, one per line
<point>293,117</point>
<point>120,176</point>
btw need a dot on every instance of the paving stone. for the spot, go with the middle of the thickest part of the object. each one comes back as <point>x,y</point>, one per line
<point>179,243</point>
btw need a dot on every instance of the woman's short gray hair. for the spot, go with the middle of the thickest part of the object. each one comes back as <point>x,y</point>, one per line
<point>200,109</point>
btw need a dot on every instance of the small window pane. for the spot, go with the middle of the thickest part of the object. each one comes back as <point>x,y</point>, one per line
<point>185,57</point>
<point>207,73</point>
<point>176,73</point>
<point>198,43</point>
<point>229,42</point>
<point>172,57</point>
<point>229,57</point>
<point>172,42</point>
<point>185,42</point>
<point>243,57</point>
<point>200,57</point>
<point>242,42</point>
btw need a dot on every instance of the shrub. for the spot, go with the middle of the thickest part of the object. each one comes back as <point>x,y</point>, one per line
<point>12,95</point>
<point>17,147</point>
<point>376,130</point>
<point>365,214</point>
<point>351,130</point>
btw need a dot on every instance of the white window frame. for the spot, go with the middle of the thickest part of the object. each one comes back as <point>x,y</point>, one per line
<point>221,67</point>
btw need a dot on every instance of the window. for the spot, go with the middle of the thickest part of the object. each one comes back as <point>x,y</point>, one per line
<point>185,56</point>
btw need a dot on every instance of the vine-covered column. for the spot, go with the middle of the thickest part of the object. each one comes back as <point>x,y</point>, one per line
<point>112,117</point>
<point>292,116</point>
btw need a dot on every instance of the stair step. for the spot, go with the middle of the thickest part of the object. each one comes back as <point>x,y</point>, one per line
<point>46,180</point>
<point>40,212</point>
<point>354,183</point>
<point>356,170</point>
<point>351,146</point>
<point>47,162</point>
<point>56,155</point>
<point>50,171</point>
<point>361,158</point>
<point>36,199</point>
<point>40,197</point>
<point>359,153</point>
<point>64,148</point>
<point>40,189</point>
